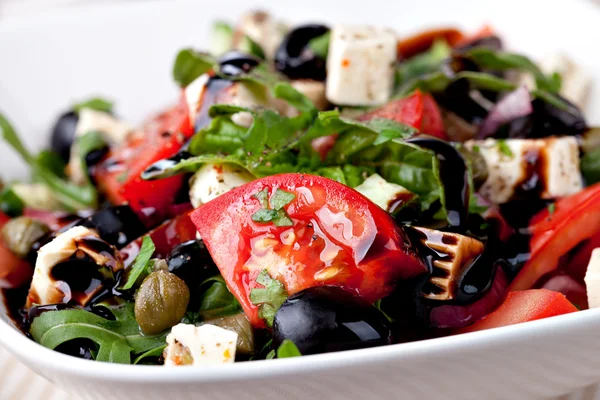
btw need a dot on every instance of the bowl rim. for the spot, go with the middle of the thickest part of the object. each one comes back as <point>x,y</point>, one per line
<point>41,358</point>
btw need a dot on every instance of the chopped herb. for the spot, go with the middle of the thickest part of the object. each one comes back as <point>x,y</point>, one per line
<point>270,297</point>
<point>504,148</point>
<point>476,149</point>
<point>281,198</point>
<point>551,208</point>
<point>141,264</point>
<point>288,349</point>
<point>265,215</point>
<point>95,103</point>
<point>275,214</point>
<point>320,45</point>
<point>263,197</point>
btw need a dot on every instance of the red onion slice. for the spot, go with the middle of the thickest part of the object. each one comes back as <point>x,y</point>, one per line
<point>514,105</point>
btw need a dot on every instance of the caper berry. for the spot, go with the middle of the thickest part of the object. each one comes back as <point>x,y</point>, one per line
<point>21,233</point>
<point>161,302</point>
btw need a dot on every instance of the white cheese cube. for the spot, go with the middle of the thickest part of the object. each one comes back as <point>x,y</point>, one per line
<point>314,90</point>
<point>46,289</point>
<point>576,82</point>
<point>212,180</point>
<point>592,280</point>
<point>194,93</point>
<point>360,65</point>
<point>262,28</point>
<point>549,167</point>
<point>200,345</point>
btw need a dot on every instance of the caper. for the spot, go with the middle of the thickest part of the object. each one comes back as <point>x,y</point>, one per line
<point>21,233</point>
<point>239,324</point>
<point>161,302</point>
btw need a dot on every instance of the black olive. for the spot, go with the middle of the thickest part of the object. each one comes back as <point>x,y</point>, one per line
<point>457,98</point>
<point>326,318</point>
<point>295,59</point>
<point>454,177</point>
<point>95,156</point>
<point>117,225</point>
<point>234,63</point>
<point>63,134</point>
<point>80,348</point>
<point>490,42</point>
<point>192,262</point>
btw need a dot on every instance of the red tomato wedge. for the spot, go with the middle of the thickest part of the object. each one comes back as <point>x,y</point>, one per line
<point>14,272</point>
<point>573,220</point>
<point>413,45</point>
<point>418,110</point>
<point>337,237</point>
<point>118,176</point>
<point>524,306</point>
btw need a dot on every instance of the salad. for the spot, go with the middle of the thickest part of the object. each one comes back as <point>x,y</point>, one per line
<point>314,189</point>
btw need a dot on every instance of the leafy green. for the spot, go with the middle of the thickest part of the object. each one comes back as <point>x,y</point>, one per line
<point>117,340</point>
<point>95,103</point>
<point>424,63</point>
<point>276,214</point>
<point>288,349</point>
<point>504,149</point>
<point>216,299</point>
<point>141,264</point>
<point>249,46</point>
<point>10,203</point>
<point>52,161</point>
<point>72,196</point>
<point>270,297</point>
<point>500,61</point>
<point>320,45</point>
<point>590,166</point>
<point>190,64</point>
<point>156,352</point>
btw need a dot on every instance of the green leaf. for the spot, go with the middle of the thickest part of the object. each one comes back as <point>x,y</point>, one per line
<point>288,349</point>
<point>264,215</point>
<point>270,297</point>
<point>95,103</point>
<point>10,136</point>
<point>190,64</point>
<point>141,263</point>
<point>156,352</point>
<point>503,147</point>
<point>281,198</point>
<point>221,38</point>
<point>263,197</point>
<point>320,45</point>
<point>590,166</point>
<point>52,161</point>
<point>117,339</point>
<point>500,61</point>
<point>217,301</point>
<point>247,45</point>
<point>270,355</point>
<point>424,63</point>
<point>10,203</point>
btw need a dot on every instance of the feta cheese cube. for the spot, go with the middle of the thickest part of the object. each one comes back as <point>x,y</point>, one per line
<point>194,94</point>
<point>46,289</point>
<point>592,280</point>
<point>548,167</point>
<point>200,345</point>
<point>360,65</point>
<point>212,180</point>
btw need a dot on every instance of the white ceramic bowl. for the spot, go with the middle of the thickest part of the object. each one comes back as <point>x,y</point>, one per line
<point>125,51</point>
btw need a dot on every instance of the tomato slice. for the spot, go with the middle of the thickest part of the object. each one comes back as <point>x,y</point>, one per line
<point>337,237</point>
<point>413,45</point>
<point>118,176</point>
<point>14,272</point>
<point>168,235</point>
<point>524,306</point>
<point>418,110</point>
<point>573,220</point>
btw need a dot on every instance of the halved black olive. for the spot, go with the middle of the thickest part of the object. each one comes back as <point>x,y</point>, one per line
<point>117,225</point>
<point>192,262</point>
<point>63,134</point>
<point>80,348</point>
<point>295,59</point>
<point>234,63</point>
<point>326,318</point>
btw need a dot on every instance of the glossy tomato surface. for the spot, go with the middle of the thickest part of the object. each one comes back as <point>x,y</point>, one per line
<point>337,237</point>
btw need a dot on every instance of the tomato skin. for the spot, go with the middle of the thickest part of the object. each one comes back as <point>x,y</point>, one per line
<point>339,238</point>
<point>14,272</point>
<point>418,110</point>
<point>413,45</point>
<point>161,137</point>
<point>575,219</point>
<point>524,306</point>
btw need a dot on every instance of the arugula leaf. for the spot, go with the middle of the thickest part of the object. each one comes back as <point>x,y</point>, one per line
<point>320,45</point>
<point>190,64</point>
<point>217,300</point>
<point>117,339</point>
<point>590,166</point>
<point>270,355</point>
<point>141,264</point>
<point>247,45</point>
<point>51,160</point>
<point>270,297</point>
<point>424,63</point>
<point>10,136</point>
<point>500,61</point>
<point>288,349</point>
<point>10,203</point>
<point>156,352</point>
<point>95,103</point>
